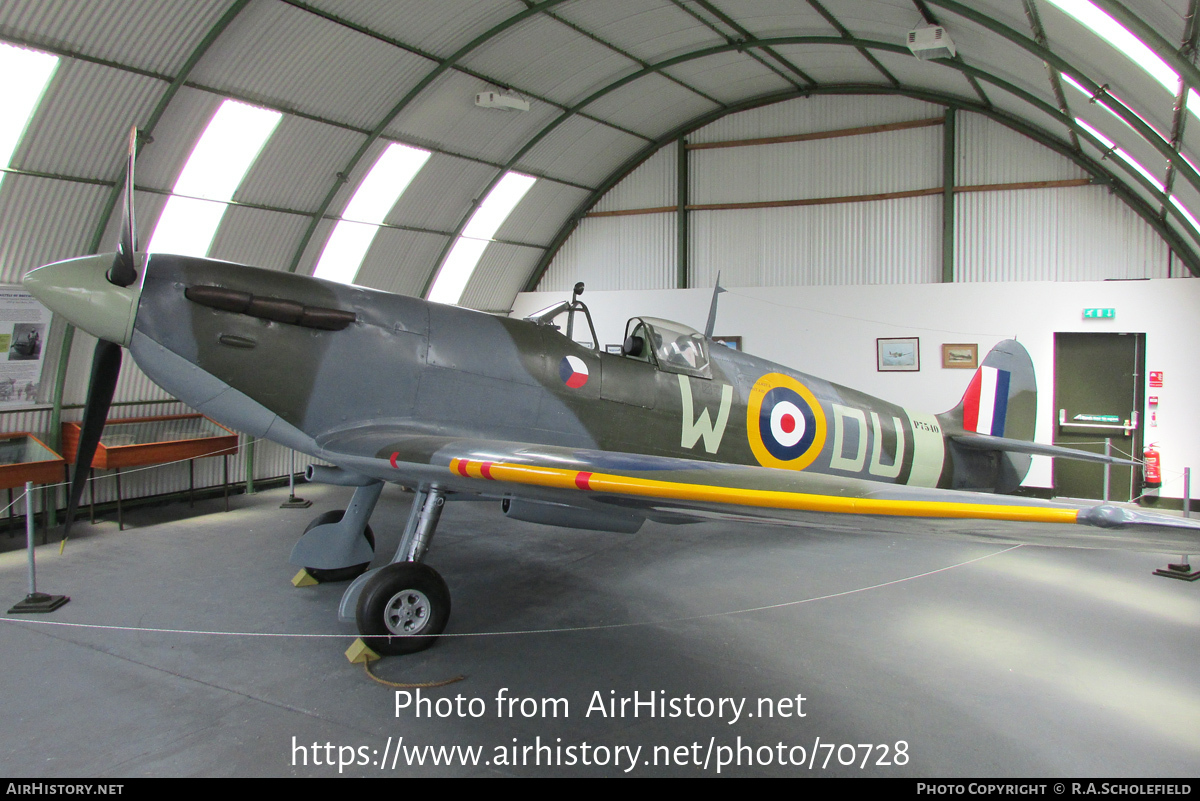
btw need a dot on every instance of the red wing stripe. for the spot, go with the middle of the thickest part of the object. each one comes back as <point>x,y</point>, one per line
<point>462,468</point>
<point>485,469</point>
<point>581,480</point>
<point>393,460</point>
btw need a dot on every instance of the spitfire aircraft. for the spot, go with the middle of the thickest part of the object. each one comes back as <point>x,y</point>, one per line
<point>453,403</point>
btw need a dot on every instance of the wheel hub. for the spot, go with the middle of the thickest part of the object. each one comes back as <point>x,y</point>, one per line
<point>407,612</point>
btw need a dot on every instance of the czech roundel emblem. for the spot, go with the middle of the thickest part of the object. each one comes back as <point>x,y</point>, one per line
<point>573,371</point>
<point>784,422</point>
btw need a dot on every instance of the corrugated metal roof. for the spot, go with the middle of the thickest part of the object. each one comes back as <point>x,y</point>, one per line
<point>160,162</point>
<point>400,261</point>
<point>442,193</point>
<point>44,220</point>
<point>651,105</point>
<point>298,164</point>
<point>500,275</point>
<point>648,29</point>
<point>439,28</point>
<point>147,34</point>
<point>729,77</point>
<point>313,60</point>
<point>545,56</point>
<point>256,237</point>
<point>101,100</point>
<point>289,57</point>
<point>832,63</point>
<point>582,149</point>
<point>537,217</point>
<point>448,117</point>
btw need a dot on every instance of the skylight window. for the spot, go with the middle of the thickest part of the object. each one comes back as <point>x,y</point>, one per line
<point>26,74</point>
<point>464,257</point>
<point>374,198</point>
<point>1119,37</point>
<point>1108,143</point>
<point>218,163</point>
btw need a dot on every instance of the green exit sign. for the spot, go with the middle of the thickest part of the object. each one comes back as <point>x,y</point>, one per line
<point>1097,314</point>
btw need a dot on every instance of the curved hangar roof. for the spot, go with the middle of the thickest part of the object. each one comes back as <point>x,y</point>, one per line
<point>608,83</point>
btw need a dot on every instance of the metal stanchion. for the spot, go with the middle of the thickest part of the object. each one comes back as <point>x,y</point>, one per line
<point>35,601</point>
<point>1107,466</point>
<point>1187,492</point>
<point>1182,569</point>
<point>293,502</point>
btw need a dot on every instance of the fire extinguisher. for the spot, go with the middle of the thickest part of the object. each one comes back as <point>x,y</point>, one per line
<point>1152,472</point>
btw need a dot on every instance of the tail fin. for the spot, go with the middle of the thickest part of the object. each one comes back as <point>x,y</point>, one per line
<point>988,429</point>
<point>1001,400</point>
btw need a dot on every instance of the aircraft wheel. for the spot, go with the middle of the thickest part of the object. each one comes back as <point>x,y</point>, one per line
<point>334,574</point>
<point>408,599</point>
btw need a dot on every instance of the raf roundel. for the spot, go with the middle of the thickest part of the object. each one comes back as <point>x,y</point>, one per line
<point>573,371</point>
<point>784,423</point>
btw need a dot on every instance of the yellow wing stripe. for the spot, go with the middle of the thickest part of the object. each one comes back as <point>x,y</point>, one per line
<point>601,482</point>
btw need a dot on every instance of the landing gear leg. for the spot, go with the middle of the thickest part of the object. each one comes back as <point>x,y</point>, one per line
<point>400,608</point>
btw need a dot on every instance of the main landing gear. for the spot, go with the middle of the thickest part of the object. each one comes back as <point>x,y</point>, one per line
<point>399,608</point>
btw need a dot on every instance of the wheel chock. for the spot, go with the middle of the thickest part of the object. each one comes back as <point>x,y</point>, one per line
<point>304,579</point>
<point>359,651</point>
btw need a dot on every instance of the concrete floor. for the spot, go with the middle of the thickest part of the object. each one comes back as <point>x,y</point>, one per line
<point>1028,662</point>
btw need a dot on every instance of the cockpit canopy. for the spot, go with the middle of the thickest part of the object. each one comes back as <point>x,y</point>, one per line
<point>676,348</point>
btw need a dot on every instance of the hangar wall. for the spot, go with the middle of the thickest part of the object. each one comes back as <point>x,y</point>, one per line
<point>830,331</point>
<point>1022,211</point>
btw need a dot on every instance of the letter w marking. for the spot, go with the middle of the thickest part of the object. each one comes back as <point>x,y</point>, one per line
<point>696,427</point>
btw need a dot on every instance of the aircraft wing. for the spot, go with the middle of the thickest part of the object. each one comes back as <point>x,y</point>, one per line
<point>674,490</point>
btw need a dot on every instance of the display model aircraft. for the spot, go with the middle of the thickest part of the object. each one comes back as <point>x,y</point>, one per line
<point>453,403</point>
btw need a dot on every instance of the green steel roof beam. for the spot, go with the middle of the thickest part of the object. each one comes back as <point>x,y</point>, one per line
<point>1154,40</point>
<point>416,51</point>
<point>1179,118</point>
<point>1065,119</point>
<point>1098,91</point>
<point>929,17</point>
<point>257,101</point>
<point>1186,252</point>
<point>841,29</point>
<point>1052,75</point>
<point>115,194</point>
<point>411,95</point>
<point>146,132</point>
<point>619,51</point>
<point>749,38</point>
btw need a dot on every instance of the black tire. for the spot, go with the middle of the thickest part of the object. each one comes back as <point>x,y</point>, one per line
<point>406,599</point>
<point>335,574</point>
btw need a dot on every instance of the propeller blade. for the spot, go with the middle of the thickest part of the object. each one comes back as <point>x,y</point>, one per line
<point>123,272</point>
<point>106,366</point>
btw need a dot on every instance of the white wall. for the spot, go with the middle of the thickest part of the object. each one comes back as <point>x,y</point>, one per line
<point>830,331</point>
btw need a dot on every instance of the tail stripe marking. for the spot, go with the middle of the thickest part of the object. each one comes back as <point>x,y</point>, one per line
<point>985,406</point>
<point>1001,408</point>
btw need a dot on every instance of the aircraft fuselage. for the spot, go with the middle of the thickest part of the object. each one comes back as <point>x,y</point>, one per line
<point>262,351</point>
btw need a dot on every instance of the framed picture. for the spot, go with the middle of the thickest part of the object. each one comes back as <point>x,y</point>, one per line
<point>730,342</point>
<point>960,356</point>
<point>898,354</point>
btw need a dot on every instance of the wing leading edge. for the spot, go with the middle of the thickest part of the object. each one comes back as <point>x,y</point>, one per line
<point>684,490</point>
